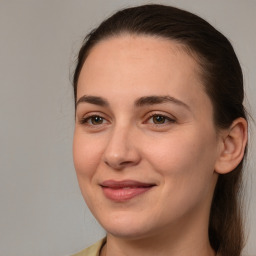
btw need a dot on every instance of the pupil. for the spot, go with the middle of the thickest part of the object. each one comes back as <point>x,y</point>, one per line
<point>159,119</point>
<point>97,120</point>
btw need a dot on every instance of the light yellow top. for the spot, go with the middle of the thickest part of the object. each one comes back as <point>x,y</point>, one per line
<point>93,250</point>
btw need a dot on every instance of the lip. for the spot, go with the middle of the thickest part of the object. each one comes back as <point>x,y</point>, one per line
<point>124,190</point>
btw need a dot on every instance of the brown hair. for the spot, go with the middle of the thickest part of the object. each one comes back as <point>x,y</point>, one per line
<point>223,81</point>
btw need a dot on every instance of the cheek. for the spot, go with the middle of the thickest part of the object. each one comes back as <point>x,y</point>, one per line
<point>86,156</point>
<point>186,166</point>
<point>185,157</point>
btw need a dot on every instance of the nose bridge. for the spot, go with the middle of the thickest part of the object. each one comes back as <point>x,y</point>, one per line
<point>121,149</point>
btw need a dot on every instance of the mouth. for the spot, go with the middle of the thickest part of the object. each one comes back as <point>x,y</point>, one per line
<point>120,191</point>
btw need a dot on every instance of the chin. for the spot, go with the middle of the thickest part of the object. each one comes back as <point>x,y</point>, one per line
<point>126,227</point>
<point>128,233</point>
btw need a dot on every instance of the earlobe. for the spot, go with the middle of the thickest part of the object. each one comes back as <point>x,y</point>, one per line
<point>234,141</point>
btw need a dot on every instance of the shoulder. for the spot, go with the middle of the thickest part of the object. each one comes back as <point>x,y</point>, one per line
<point>93,250</point>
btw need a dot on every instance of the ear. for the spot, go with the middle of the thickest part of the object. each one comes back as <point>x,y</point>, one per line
<point>233,143</point>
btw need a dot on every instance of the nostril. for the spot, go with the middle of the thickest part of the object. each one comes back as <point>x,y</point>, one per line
<point>119,165</point>
<point>126,163</point>
<point>119,155</point>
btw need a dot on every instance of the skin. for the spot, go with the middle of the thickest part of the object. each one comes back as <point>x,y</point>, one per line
<point>178,155</point>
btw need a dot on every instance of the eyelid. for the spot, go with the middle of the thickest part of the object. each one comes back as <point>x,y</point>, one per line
<point>168,117</point>
<point>84,119</point>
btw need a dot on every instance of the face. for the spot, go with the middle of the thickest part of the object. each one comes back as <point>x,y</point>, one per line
<point>145,145</point>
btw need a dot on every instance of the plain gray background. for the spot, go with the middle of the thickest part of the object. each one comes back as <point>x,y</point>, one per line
<point>41,210</point>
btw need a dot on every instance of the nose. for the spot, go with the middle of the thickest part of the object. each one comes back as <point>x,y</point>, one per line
<point>121,150</point>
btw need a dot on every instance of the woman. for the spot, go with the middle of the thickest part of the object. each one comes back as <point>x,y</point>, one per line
<point>160,134</point>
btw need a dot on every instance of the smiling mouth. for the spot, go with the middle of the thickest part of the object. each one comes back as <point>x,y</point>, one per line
<point>120,191</point>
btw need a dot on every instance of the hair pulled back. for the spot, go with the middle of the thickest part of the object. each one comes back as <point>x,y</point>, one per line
<point>223,82</point>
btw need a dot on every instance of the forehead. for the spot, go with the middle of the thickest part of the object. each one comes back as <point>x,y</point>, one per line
<point>141,47</point>
<point>141,65</point>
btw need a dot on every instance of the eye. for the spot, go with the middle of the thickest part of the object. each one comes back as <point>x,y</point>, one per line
<point>158,119</point>
<point>93,120</point>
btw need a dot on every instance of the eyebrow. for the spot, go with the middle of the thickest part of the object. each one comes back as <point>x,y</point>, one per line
<point>93,100</point>
<point>140,102</point>
<point>153,100</point>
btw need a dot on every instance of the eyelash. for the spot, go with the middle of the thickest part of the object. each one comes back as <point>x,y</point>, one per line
<point>167,119</point>
<point>88,120</point>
